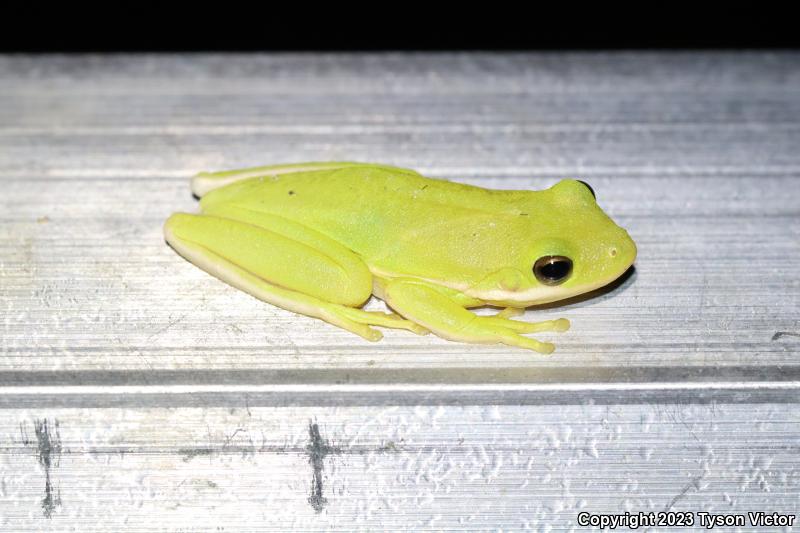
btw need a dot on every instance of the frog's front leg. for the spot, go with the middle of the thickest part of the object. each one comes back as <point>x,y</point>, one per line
<point>425,304</point>
<point>285,264</point>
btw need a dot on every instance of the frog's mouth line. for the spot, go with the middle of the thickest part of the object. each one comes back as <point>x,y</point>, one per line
<point>539,294</point>
<point>535,295</point>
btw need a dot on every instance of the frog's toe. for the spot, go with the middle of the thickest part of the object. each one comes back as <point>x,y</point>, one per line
<point>559,325</point>
<point>416,328</point>
<point>509,312</point>
<point>544,348</point>
<point>513,339</point>
<point>333,314</point>
<point>377,318</point>
<point>373,335</point>
<point>508,332</point>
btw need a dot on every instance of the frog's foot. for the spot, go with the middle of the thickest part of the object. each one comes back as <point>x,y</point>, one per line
<point>508,331</point>
<point>425,305</point>
<point>376,318</point>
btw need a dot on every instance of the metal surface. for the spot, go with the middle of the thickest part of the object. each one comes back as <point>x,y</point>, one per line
<point>138,393</point>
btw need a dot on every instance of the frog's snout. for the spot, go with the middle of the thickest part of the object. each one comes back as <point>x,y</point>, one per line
<point>624,251</point>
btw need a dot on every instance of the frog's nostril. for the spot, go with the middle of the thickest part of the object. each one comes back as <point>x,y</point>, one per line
<point>612,252</point>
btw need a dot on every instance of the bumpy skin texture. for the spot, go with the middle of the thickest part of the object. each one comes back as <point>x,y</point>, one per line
<point>320,238</point>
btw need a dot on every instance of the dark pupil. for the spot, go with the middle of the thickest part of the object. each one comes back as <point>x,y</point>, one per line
<point>555,270</point>
<point>552,269</point>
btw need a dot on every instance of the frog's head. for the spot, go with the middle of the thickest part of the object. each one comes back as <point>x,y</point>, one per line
<point>574,248</point>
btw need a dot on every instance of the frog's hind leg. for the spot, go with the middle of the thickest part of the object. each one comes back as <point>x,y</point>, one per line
<point>324,281</point>
<point>205,182</point>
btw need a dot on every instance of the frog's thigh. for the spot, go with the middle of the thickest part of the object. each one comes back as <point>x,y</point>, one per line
<point>323,269</point>
<point>281,271</point>
<point>427,306</point>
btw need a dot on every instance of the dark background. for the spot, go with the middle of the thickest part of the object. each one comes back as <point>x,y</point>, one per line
<point>147,27</point>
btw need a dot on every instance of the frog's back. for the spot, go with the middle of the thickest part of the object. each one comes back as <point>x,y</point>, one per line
<point>365,208</point>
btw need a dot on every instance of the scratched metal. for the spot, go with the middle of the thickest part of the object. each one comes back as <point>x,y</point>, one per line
<point>124,370</point>
<point>394,468</point>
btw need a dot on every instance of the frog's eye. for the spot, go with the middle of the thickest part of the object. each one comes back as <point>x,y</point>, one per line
<point>589,187</point>
<point>552,269</point>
